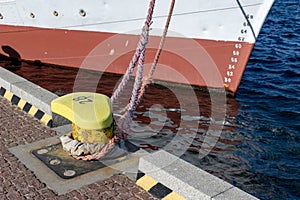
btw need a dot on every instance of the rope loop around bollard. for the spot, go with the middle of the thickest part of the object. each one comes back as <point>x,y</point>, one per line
<point>138,91</point>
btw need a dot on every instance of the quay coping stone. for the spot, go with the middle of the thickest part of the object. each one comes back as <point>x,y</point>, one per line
<point>186,179</point>
<point>169,170</point>
<point>31,93</point>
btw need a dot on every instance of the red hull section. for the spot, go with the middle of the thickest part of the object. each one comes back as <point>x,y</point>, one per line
<point>189,61</point>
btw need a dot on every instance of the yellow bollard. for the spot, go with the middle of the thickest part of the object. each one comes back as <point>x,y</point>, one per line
<point>90,114</point>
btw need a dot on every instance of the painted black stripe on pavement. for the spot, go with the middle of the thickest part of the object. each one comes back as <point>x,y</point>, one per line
<point>27,107</point>
<point>50,123</point>
<point>2,91</point>
<point>39,114</point>
<point>15,100</point>
<point>139,175</point>
<point>160,191</point>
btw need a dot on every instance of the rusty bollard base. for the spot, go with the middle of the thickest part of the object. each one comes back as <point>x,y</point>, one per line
<point>67,167</point>
<point>64,165</point>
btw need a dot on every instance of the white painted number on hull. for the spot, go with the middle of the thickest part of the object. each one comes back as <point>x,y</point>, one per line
<point>236,52</point>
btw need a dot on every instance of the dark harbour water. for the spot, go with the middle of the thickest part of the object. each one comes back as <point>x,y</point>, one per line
<point>258,149</point>
<point>269,117</point>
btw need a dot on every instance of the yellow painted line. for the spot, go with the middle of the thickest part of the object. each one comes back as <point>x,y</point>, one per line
<point>21,103</point>
<point>173,196</point>
<point>46,118</point>
<point>146,182</point>
<point>32,110</point>
<point>8,95</point>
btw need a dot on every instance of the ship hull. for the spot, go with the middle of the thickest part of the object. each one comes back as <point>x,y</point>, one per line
<point>214,58</point>
<point>196,62</point>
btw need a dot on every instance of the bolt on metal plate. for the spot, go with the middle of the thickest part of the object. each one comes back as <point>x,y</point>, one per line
<point>67,167</point>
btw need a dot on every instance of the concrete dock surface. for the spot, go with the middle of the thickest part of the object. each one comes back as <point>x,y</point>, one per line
<point>18,182</point>
<point>25,118</point>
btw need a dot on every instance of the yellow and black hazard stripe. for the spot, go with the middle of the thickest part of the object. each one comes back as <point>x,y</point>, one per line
<point>155,188</point>
<point>27,107</point>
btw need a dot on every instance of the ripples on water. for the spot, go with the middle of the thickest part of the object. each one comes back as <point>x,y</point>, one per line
<point>269,118</point>
<point>259,147</point>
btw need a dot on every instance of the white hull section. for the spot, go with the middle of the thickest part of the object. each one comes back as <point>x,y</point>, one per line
<point>202,19</point>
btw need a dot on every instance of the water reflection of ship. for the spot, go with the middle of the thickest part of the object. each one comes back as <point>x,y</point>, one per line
<point>12,61</point>
<point>160,111</point>
<point>221,160</point>
<point>160,116</point>
<point>167,104</point>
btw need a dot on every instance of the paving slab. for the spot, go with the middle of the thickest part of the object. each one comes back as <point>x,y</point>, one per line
<point>17,181</point>
<point>7,78</point>
<point>26,90</point>
<point>31,94</point>
<point>63,186</point>
<point>34,95</point>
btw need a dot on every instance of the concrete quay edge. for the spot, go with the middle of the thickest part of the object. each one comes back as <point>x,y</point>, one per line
<point>176,178</point>
<point>185,179</point>
<point>30,98</point>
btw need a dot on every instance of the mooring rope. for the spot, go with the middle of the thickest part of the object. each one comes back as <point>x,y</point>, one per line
<point>148,79</point>
<point>138,56</point>
<point>140,84</point>
<point>141,45</point>
<point>131,107</point>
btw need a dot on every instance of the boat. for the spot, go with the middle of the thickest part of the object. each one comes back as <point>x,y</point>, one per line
<point>208,44</point>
